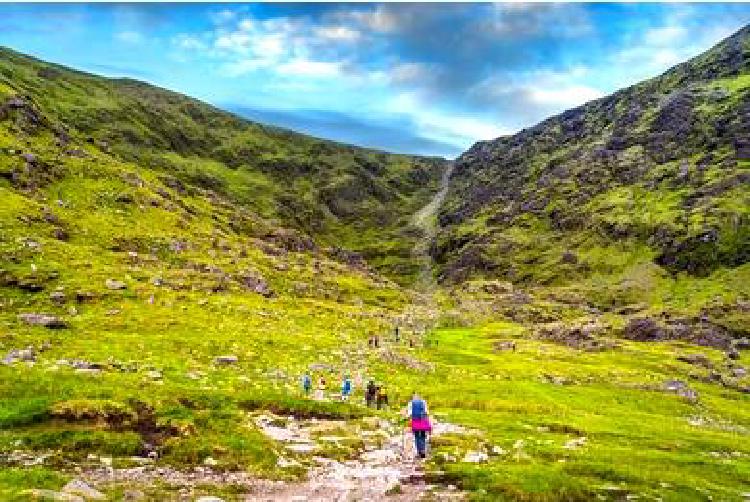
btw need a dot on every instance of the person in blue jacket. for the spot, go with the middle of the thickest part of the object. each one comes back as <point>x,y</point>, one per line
<point>346,388</point>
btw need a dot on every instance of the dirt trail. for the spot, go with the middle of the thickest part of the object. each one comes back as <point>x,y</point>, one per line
<point>426,220</point>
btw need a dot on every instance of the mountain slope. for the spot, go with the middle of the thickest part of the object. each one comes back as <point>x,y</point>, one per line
<point>641,196</point>
<point>343,196</point>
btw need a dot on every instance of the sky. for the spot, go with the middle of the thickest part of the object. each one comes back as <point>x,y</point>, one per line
<point>413,78</point>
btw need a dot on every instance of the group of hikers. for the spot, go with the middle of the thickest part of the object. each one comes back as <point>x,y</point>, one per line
<point>376,396</point>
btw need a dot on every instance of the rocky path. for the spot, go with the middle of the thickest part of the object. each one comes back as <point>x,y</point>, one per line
<point>384,466</point>
<point>426,220</point>
<point>387,467</point>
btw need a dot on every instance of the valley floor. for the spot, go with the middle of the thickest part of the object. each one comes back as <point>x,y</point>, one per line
<point>551,422</point>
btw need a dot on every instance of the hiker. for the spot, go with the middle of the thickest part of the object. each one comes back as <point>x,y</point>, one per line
<point>397,334</point>
<point>382,397</point>
<point>346,388</point>
<point>306,384</point>
<point>370,393</point>
<point>320,394</point>
<point>416,412</point>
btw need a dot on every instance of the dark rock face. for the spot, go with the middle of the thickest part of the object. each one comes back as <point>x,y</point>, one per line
<point>661,135</point>
<point>291,240</point>
<point>644,330</point>
<point>351,258</point>
<point>697,331</point>
<point>45,320</point>
<point>588,337</point>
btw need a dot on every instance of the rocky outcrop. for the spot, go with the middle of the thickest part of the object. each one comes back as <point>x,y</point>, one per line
<point>45,320</point>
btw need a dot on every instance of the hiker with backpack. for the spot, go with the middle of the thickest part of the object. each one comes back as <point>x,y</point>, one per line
<point>320,393</point>
<point>346,388</point>
<point>419,423</point>
<point>306,384</point>
<point>370,393</point>
<point>381,397</point>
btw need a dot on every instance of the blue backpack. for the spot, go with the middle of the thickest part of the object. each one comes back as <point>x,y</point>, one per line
<point>418,408</point>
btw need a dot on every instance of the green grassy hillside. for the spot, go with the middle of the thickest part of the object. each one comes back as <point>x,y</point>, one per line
<point>352,198</point>
<point>168,271</point>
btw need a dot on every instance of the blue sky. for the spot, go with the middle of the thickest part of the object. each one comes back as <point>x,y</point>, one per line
<point>416,78</point>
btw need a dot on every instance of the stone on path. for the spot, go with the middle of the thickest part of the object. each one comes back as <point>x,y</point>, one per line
<point>209,498</point>
<point>78,487</point>
<point>476,457</point>
<point>133,496</point>
<point>39,494</point>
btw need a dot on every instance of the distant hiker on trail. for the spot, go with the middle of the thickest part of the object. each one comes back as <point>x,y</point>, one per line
<point>382,397</point>
<point>370,393</point>
<point>320,394</point>
<point>346,388</point>
<point>307,383</point>
<point>397,334</point>
<point>419,422</point>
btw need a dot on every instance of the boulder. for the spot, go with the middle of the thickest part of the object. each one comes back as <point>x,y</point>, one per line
<point>154,375</point>
<point>569,257</point>
<point>78,487</point>
<point>40,494</point>
<point>25,355</point>
<point>503,346</point>
<point>644,329</point>
<point>226,360</point>
<point>133,496</point>
<point>475,457</point>
<point>681,389</point>
<point>60,234</point>
<point>257,284</point>
<point>57,297</point>
<point>696,360</point>
<point>115,284</point>
<point>46,320</point>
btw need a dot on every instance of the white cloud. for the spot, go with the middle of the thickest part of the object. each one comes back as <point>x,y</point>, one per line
<point>410,73</point>
<point>665,35</point>
<point>338,33</point>
<point>189,42</point>
<point>442,126</point>
<point>563,97</point>
<point>380,19</point>
<point>671,43</point>
<point>308,68</point>
<point>129,37</point>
